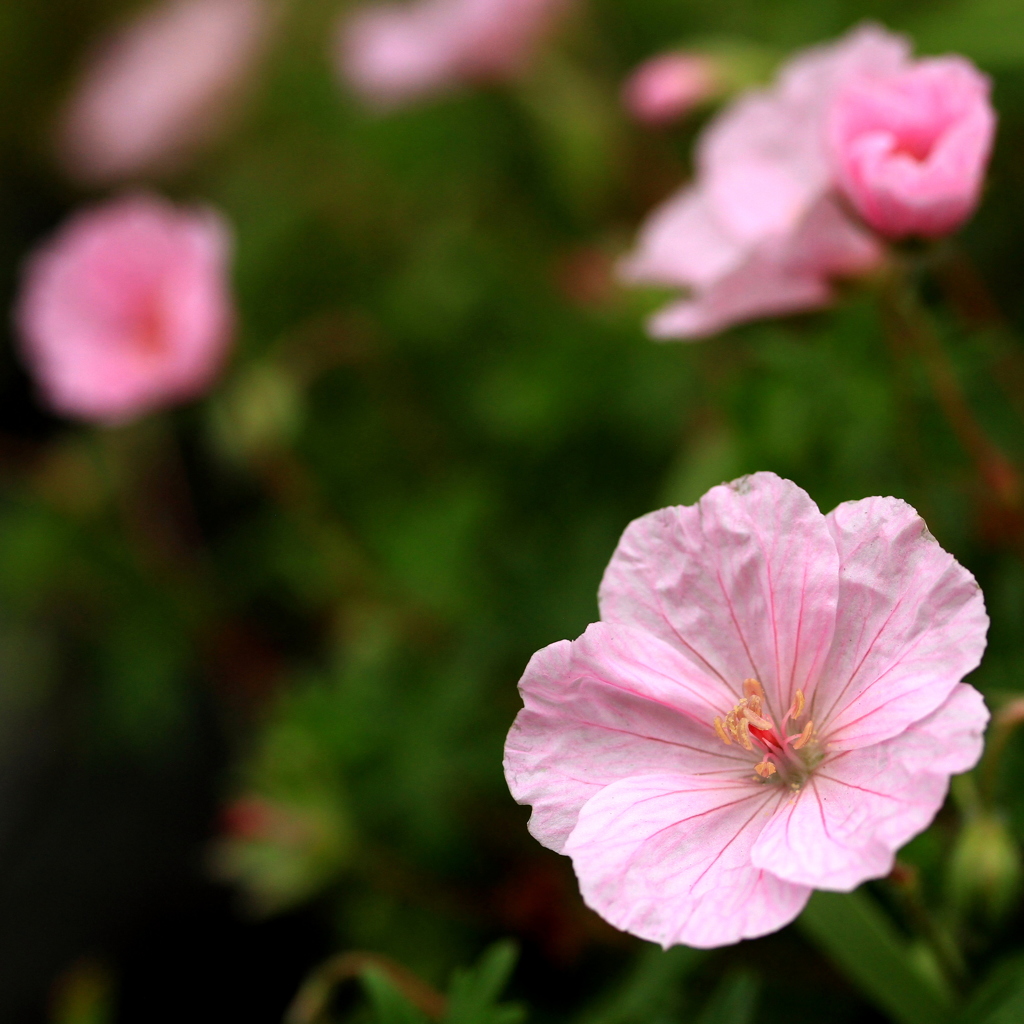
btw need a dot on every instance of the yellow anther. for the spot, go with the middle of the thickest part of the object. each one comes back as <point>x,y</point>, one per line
<point>804,738</point>
<point>743,734</point>
<point>757,721</point>
<point>765,769</point>
<point>722,734</point>
<point>752,688</point>
<point>798,705</point>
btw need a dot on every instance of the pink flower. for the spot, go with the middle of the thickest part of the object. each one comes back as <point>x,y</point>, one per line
<point>161,87</point>
<point>667,87</point>
<point>395,53</point>
<point>771,703</point>
<point>127,309</point>
<point>911,148</point>
<point>760,232</point>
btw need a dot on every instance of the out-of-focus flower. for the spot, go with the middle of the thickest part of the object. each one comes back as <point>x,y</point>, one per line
<point>257,412</point>
<point>667,87</point>
<point>161,87</point>
<point>985,868</point>
<point>911,148</point>
<point>760,231</point>
<point>771,703</point>
<point>127,308</point>
<point>392,54</point>
<point>280,852</point>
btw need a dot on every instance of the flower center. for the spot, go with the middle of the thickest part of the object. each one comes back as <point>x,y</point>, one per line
<point>750,725</point>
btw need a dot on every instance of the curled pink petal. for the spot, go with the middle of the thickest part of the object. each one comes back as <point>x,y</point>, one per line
<point>911,149</point>
<point>161,87</point>
<point>127,309</point>
<point>771,704</point>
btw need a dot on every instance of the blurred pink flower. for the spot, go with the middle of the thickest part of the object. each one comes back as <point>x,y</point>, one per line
<point>771,703</point>
<point>667,87</point>
<point>911,148</point>
<point>759,232</point>
<point>127,309</point>
<point>161,87</point>
<point>396,53</point>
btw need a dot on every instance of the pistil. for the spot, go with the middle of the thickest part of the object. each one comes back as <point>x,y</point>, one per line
<point>750,725</point>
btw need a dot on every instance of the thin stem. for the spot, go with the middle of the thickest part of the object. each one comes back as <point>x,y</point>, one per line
<point>313,999</point>
<point>976,307</point>
<point>912,322</point>
<point>907,886</point>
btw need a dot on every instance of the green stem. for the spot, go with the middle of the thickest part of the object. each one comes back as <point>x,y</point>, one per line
<point>912,322</point>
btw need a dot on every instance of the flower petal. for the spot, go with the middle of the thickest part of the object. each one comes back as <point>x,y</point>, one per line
<point>667,857</point>
<point>683,243</point>
<point>745,584</point>
<point>614,703</point>
<point>759,288</point>
<point>862,805</point>
<point>911,624</point>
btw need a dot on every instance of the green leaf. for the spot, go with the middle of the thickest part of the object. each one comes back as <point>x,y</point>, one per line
<point>648,990</point>
<point>1000,998</point>
<point>733,1002</point>
<point>389,1005</point>
<point>473,998</point>
<point>861,940</point>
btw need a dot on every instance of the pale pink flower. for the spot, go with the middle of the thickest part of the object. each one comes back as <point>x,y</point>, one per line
<point>771,703</point>
<point>395,53</point>
<point>760,231</point>
<point>911,148</point>
<point>127,309</point>
<point>161,87</point>
<point>668,86</point>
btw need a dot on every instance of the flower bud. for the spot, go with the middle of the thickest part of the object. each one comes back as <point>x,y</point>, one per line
<point>258,411</point>
<point>985,868</point>
<point>667,87</point>
<point>910,149</point>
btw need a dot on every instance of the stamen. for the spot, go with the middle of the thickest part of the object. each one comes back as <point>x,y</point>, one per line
<point>743,734</point>
<point>804,738</point>
<point>797,708</point>
<point>722,734</point>
<point>752,688</point>
<point>765,769</point>
<point>752,713</point>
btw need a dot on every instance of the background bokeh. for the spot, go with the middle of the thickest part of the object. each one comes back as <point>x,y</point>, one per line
<point>258,655</point>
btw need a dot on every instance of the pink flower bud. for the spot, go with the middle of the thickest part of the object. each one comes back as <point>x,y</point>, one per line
<point>392,54</point>
<point>127,309</point>
<point>911,148</point>
<point>667,87</point>
<point>161,87</point>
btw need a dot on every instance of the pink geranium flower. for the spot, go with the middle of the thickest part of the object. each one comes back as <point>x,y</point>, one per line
<point>161,87</point>
<point>771,703</point>
<point>127,308</point>
<point>668,86</point>
<point>767,227</point>
<point>395,53</point>
<point>911,149</point>
<point>760,231</point>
